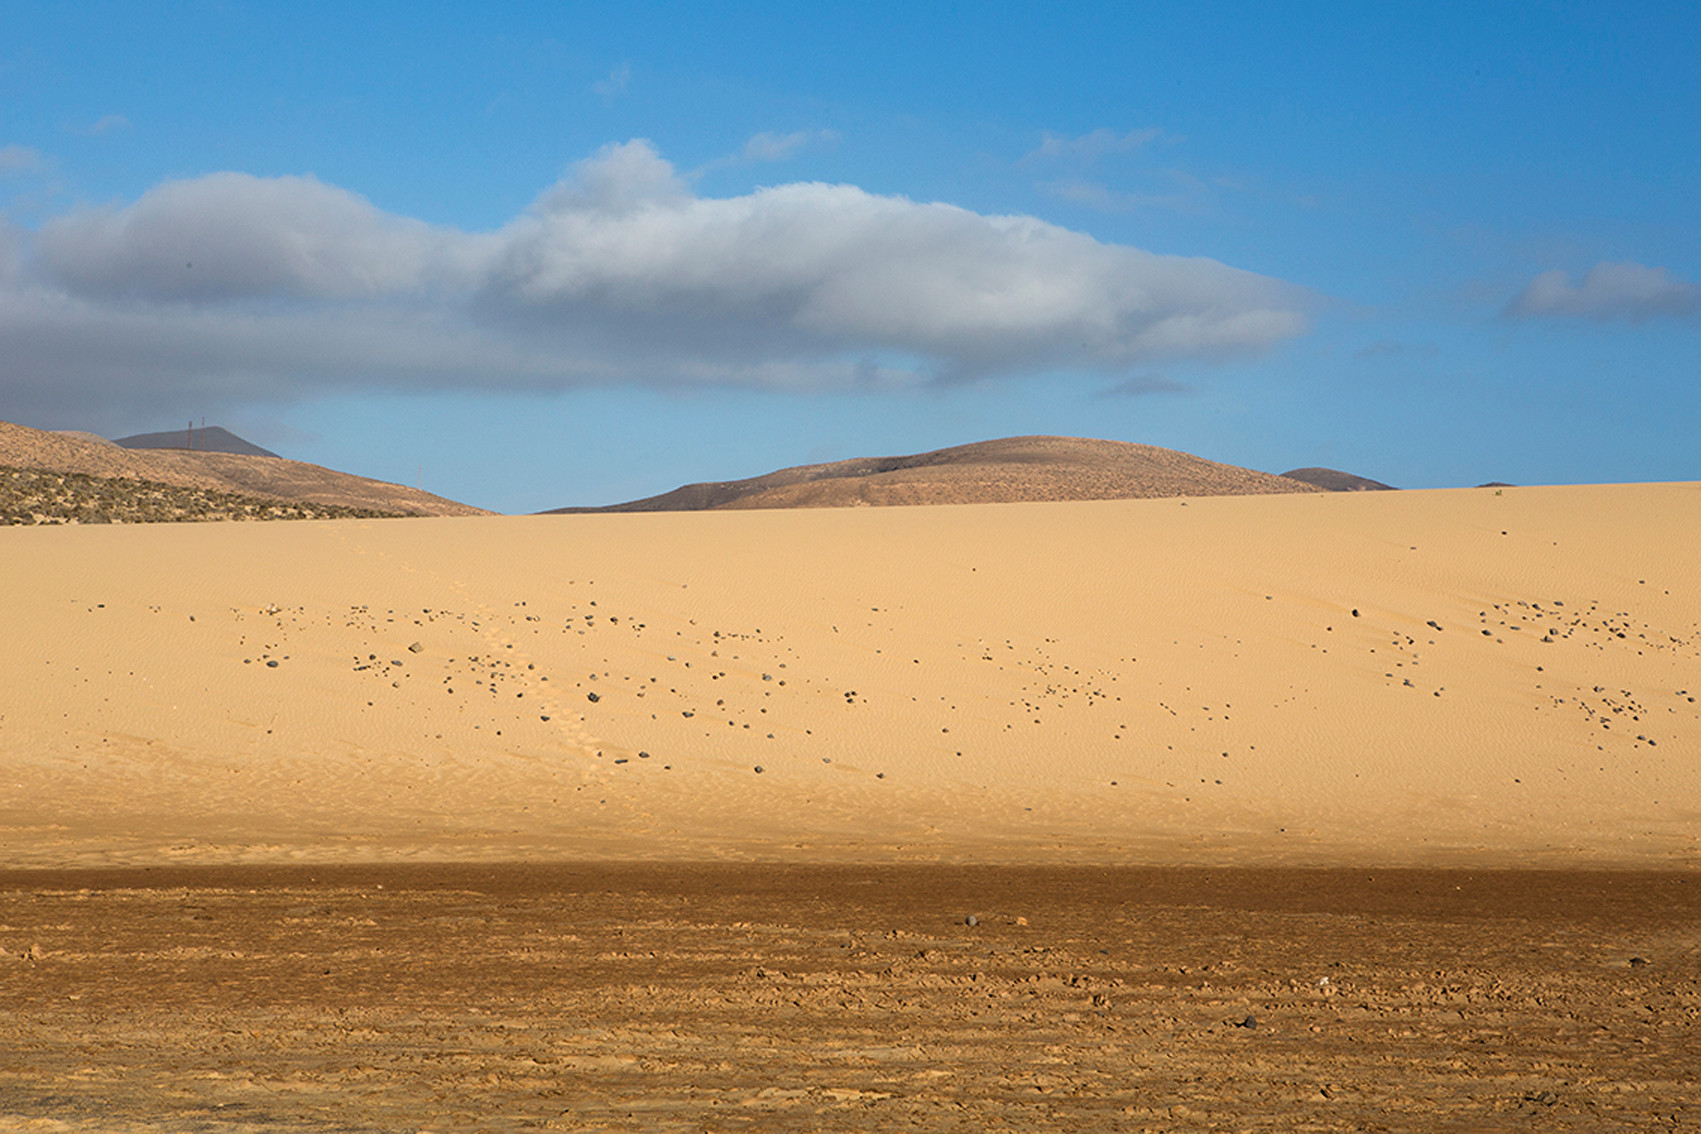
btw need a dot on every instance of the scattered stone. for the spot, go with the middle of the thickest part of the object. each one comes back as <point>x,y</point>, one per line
<point>971,921</point>
<point>1638,962</point>
<point>543,718</point>
<point>1251,1021</point>
<point>758,769</point>
<point>273,664</point>
<point>592,697</point>
<point>416,648</point>
<point>1543,1098</point>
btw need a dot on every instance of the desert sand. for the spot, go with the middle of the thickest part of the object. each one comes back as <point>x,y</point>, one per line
<point>1461,677</point>
<point>1141,815</point>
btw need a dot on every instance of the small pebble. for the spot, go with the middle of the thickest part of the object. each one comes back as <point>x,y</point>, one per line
<point>971,920</point>
<point>758,769</point>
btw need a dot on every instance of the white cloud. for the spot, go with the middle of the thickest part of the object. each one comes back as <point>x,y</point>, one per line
<point>616,83</point>
<point>20,159</point>
<point>1098,196</point>
<point>11,240</point>
<point>239,287</point>
<point>768,146</point>
<point>1088,148</point>
<point>1142,385</point>
<point>234,236</point>
<point>831,267</point>
<point>764,147</point>
<point>1608,291</point>
<point>105,124</point>
<point>1394,348</point>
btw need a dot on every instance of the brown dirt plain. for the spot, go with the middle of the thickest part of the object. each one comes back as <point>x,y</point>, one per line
<point>1410,779</point>
<point>797,998</point>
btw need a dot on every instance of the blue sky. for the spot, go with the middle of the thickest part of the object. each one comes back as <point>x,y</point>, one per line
<point>536,255</point>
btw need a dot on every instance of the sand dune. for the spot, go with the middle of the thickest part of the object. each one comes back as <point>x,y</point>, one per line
<point>1005,471</point>
<point>25,448</point>
<point>1419,677</point>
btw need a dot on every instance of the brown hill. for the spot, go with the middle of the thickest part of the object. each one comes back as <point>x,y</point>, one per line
<point>266,477</point>
<point>1334,480</point>
<point>207,439</point>
<point>990,472</point>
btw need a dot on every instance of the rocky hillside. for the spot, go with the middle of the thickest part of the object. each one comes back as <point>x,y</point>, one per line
<point>273,479</point>
<point>40,496</point>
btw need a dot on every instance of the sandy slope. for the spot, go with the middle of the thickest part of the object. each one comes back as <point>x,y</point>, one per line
<point>1150,680</point>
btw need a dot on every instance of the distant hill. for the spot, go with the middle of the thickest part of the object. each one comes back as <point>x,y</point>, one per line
<point>255,477</point>
<point>1004,471</point>
<point>208,439</point>
<point>1334,480</point>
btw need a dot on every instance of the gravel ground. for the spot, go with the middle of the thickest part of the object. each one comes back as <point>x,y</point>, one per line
<point>722,998</point>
